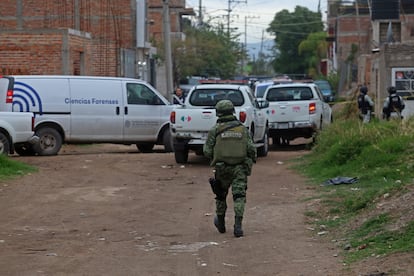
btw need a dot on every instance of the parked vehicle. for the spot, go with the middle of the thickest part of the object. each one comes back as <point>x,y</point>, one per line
<point>326,90</point>
<point>261,86</point>
<point>82,109</point>
<point>16,129</point>
<point>191,122</point>
<point>296,110</point>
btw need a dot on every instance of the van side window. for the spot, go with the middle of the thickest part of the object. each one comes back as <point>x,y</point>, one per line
<point>141,94</point>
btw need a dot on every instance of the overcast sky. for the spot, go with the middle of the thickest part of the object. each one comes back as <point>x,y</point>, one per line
<point>257,13</point>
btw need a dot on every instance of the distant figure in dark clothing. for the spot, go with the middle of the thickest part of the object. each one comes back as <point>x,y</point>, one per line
<point>365,105</point>
<point>393,104</point>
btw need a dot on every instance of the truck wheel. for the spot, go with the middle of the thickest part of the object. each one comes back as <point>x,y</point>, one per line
<point>4,144</point>
<point>145,147</point>
<point>50,142</point>
<point>181,157</point>
<point>263,150</point>
<point>24,149</point>
<point>167,141</point>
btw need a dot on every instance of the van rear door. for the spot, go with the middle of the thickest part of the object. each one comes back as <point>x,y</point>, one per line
<point>96,108</point>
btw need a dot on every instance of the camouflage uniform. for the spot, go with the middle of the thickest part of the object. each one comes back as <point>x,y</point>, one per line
<point>232,175</point>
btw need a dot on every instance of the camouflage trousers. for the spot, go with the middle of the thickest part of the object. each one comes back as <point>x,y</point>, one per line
<point>234,176</point>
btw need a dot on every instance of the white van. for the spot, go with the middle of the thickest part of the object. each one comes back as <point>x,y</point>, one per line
<point>82,109</point>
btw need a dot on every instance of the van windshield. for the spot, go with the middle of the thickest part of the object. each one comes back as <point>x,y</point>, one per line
<point>323,85</point>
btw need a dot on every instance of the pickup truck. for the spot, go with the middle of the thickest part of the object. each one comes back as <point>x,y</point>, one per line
<point>191,121</point>
<point>296,110</point>
<point>16,130</point>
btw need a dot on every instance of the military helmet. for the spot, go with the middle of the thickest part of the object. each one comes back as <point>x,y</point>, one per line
<point>224,107</point>
<point>363,89</point>
<point>392,90</point>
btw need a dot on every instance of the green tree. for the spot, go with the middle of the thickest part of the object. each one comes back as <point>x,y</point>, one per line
<point>290,29</point>
<point>313,50</point>
<point>261,65</point>
<point>206,51</point>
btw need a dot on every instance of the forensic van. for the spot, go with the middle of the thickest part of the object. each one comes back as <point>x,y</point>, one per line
<point>86,109</point>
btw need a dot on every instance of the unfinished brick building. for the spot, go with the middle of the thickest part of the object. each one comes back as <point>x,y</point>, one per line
<point>82,37</point>
<point>372,43</point>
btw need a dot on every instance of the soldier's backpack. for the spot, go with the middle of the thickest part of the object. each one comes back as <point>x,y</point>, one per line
<point>231,142</point>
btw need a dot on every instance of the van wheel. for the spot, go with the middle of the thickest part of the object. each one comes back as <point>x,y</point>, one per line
<point>263,150</point>
<point>50,142</point>
<point>4,144</point>
<point>145,148</point>
<point>181,157</point>
<point>167,141</point>
<point>24,150</point>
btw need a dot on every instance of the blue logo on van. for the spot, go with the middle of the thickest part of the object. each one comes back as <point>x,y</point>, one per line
<point>25,97</point>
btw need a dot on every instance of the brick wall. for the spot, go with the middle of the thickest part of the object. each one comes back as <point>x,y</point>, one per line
<point>41,53</point>
<point>31,38</point>
<point>26,41</point>
<point>353,30</point>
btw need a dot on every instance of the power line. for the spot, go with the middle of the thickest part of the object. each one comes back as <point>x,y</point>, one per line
<point>229,10</point>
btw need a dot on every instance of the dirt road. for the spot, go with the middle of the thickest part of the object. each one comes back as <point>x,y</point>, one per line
<point>109,210</point>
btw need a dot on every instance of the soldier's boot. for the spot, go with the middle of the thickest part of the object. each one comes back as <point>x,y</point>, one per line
<point>220,223</point>
<point>238,231</point>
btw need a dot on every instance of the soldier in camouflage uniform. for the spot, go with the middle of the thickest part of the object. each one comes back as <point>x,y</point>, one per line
<point>232,153</point>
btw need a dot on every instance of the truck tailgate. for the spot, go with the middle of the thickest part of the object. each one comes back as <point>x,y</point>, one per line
<point>289,111</point>
<point>195,120</point>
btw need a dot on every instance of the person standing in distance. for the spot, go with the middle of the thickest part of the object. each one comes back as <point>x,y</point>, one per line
<point>232,153</point>
<point>392,104</point>
<point>365,105</point>
<point>179,96</point>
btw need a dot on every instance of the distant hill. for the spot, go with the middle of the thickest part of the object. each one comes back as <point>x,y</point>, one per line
<point>254,48</point>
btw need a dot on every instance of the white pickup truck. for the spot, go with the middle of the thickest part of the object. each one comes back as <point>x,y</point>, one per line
<point>296,110</point>
<point>16,129</point>
<point>190,122</point>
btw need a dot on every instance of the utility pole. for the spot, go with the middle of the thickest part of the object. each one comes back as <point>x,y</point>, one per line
<point>358,25</point>
<point>261,43</point>
<point>245,40</point>
<point>167,44</point>
<point>229,10</point>
<point>200,14</point>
